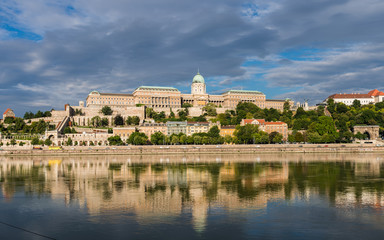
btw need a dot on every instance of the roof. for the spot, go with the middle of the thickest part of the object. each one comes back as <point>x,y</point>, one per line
<point>6,111</point>
<point>350,95</point>
<point>157,88</point>
<point>275,100</point>
<point>274,123</point>
<point>195,123</point>
<point>262,122</point>
<point>228,127</point>
<point>116,94</point>
<point>198,78</point>
<point>250,121</point>
<point>177,122</point>
<point>375,93</point>
<point>243,92</point>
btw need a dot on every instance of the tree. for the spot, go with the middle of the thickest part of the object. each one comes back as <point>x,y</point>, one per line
<point>67,130</point>
<point>29,115</point>
<point>48,142</point>
<point>35,141</point>
<point>183,114</point>
<point>300,113</point>
<point>39,114</point>
<point>197,140</point>
<point>137,138</point>
<point>106,110</point>
<point>299,137</point>
<point>13,142</point>
<point>275,137</point>
<point>158,138</point>
<point>214,132</point>
<point>228,139</point>
<point>104,122</point>
<point>210,109</point>
<point>9,120</point>
<point>69,142</point>
<point>47,114</point>
<point>135,120</point>
<point>150,113</point>
<point>245,134</point>
<point>356,104</point>
<point>186,105</point>
<point>175,140</point>
<point>115,140</point>
<point>96,121</point>
<point>286,106</point>
<point>128,121</point>
<point>331,105</point>
<point>183,139</point>
<point>119,121</point>
<point>341,108</point>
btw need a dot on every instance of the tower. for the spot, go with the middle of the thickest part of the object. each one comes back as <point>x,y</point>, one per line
<point>198,84</point>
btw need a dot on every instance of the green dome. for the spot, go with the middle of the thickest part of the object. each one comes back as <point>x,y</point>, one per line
<point>198,78</point>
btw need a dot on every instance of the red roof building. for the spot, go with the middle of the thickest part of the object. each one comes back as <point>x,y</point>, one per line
<point>373,96</point>
<point>8,113</point>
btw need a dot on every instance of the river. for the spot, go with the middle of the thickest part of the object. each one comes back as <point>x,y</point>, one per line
<point>228,196</point>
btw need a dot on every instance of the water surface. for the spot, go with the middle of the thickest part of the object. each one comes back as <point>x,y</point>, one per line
<point>256,196</point>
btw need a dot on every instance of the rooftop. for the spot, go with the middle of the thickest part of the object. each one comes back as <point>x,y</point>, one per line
<point>157,88</point>
<point>350,95</point>
<point>243,92</point>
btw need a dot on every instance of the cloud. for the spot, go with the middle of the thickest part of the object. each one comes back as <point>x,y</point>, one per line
<point>120,44</point>
<point>356,69</point>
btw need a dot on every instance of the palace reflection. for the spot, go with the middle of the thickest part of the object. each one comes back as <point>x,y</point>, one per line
<point>153,187</point>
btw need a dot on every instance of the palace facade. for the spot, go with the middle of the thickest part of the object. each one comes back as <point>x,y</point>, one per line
<point>170,97</point>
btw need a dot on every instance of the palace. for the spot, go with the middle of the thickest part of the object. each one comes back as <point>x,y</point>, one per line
<point>170,97</point>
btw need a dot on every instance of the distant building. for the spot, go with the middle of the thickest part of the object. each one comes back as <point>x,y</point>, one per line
<point>268,127</point>
<point>277,104</point>
<point>151,128</point>
<point>197,127</point>
<point>123,132</point>
<point>8,113</point>
<point>227,130</point>
<point>373,96</point>
<point>176,127</point>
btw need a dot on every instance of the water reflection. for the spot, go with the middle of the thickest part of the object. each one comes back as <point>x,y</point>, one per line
<point>163,187</point>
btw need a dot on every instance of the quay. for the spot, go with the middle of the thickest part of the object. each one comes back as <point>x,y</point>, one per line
<point>194,149</point>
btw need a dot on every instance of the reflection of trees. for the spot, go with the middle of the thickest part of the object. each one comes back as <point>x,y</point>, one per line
<point>244,182</point>
<point>31,179</point>
<point>331,178</point>
<point>137,170</point>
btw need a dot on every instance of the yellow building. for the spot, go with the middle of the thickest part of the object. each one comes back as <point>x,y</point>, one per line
<point>227,130</point>
<point>123,132</point>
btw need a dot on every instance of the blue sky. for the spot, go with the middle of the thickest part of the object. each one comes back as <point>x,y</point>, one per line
<point>56,52</point>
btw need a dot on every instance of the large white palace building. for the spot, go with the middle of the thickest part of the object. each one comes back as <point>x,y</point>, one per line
<point>170,97</point>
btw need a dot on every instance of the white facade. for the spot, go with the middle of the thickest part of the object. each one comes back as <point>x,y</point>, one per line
<point>349,101</point>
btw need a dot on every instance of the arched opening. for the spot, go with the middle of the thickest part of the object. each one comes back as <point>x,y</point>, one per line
<point>367,135</point>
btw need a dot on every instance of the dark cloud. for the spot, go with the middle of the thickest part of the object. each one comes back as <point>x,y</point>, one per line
<point>118,45</point>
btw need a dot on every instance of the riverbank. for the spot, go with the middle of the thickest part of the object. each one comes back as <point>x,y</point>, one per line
<point>195,149</point>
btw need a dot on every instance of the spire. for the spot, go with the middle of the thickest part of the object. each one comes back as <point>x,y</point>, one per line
<point>198,70</point>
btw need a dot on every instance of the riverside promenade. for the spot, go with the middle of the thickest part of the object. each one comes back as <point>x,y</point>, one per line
<point>195,149</point>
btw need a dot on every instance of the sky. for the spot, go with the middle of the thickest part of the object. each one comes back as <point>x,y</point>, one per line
<point>54,52</point>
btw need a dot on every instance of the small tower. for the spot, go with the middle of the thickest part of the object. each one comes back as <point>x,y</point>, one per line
<point>198,84</point>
